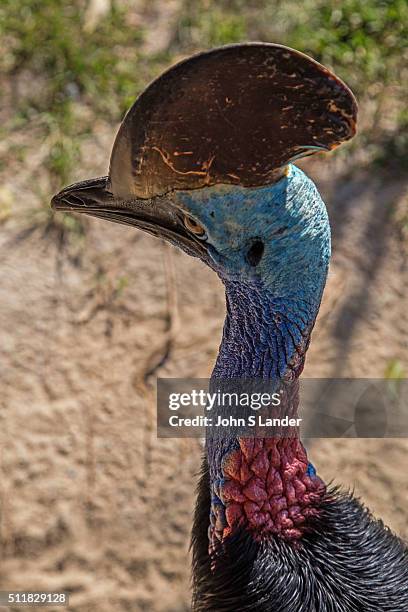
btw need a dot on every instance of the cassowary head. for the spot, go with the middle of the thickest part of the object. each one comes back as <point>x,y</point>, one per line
<point>203,160</point>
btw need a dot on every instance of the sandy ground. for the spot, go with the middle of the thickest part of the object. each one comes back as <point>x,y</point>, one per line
<point>91,501</point>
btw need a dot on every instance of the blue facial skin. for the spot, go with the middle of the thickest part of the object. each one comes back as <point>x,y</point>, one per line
<point>272,304</point>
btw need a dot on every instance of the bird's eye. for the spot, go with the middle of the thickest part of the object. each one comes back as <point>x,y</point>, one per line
<point>194,227</point>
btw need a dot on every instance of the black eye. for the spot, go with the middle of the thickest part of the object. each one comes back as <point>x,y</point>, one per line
<point>194,227</point>
<point>255,252</point>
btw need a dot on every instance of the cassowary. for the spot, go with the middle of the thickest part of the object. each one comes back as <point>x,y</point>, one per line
<point>204,159</point>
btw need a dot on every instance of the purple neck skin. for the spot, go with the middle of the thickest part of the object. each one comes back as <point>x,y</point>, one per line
<point>265,485</point>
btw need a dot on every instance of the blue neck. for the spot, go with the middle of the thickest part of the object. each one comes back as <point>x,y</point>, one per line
<point>264,336</point>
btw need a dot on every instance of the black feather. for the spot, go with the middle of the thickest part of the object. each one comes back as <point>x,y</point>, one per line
<point>348,561</point>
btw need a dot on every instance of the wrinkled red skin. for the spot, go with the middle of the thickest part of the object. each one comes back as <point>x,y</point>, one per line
<point>266,489</point>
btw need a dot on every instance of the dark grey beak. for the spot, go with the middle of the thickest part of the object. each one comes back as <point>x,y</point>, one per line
<point>157,216</point>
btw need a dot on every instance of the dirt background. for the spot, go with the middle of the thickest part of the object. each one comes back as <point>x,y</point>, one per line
<point>90,500</point>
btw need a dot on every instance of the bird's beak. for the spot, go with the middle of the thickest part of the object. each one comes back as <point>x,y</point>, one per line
<point>157,216</point>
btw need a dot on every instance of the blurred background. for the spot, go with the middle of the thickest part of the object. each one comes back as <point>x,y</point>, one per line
<point>91,313</point>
